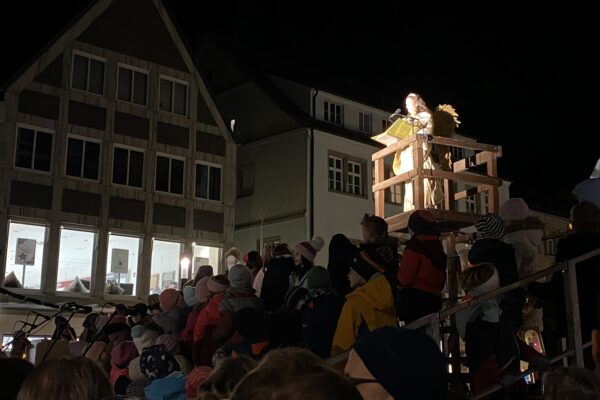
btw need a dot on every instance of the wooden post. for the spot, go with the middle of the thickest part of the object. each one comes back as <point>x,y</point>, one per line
<point>379,194</point>
<point>419,188</point>
<point>448,195</point>
<point>493,195</point>
<point>453,340</point>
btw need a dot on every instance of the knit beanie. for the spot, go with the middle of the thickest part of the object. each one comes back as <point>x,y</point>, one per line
<point>490,226</point>
<point>169,299</point>
<point>217,284</point>
<point>146,339</point>
<point>407,363</point>
<point>239,277</point>
<point>514,210</point>
<point>189,296</point>
<point>422,222</point>
<point>122,354</point>
<point>170,343</point>
<point>310,249</point>
<point>318,278</point>
<point>156,362</point>
<point>368,262</point>
<point>201,290</point>
<point>479,279</point>
<point>194,379</point>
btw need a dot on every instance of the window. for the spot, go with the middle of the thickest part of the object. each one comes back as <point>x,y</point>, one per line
<point>335,173</point>
<point>208,182</point>
<point>83,158</point>
<point>550,247</point>
<point>75,260</point>
<point>458,153</point>
<point>486,203</point>
<point>164,271</point>
<point>272,242</point>
<point>122,264</point>
<point>204,255</point>
<point>365,122</point>
<point>128,167</point>
<point>471,204</point>
<point>25,255</point>
<point>34,149</point>
<point>173,96</point>
<point>332,113</point>
<point>385,124</point>
<point>245,181</point>
<point>346,174</point>
<point>354,178</point>
<point>133,85</point>
<point>88,73</point>
<point>169,175</point>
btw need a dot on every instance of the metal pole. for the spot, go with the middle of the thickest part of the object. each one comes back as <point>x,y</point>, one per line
<point>573,317</point>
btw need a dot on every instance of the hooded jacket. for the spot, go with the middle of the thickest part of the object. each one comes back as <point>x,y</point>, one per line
<point>367,308</point>
<point>423,265</point>
<point>171,387</point>
<point>235,299</point>
<point>525,236</point>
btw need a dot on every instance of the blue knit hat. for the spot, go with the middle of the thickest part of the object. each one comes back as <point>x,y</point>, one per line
<point>407,363</point>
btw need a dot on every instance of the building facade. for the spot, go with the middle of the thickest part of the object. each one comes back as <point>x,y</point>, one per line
<point>117,173</point>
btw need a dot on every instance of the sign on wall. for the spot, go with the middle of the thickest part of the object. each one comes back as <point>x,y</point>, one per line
<point>25,254</point>
<point>120,261</point>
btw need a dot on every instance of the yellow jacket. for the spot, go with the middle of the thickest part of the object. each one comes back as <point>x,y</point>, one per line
<point>371,304</point>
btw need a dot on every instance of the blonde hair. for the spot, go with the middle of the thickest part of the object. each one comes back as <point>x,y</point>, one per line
<point>66,379</point>
<point>224,378</point>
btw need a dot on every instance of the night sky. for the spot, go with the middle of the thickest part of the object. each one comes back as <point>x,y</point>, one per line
<point>521,80</point>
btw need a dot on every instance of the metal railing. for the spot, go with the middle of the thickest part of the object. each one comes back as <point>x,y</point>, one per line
<point>575,346</point>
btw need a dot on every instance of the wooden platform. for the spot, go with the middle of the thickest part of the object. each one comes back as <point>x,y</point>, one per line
<point>449,221</point>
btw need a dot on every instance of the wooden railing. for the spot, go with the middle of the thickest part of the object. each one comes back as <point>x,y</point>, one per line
<point>485,155</point>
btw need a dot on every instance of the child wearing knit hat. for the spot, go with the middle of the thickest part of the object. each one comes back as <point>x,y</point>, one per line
<point>304,259</point>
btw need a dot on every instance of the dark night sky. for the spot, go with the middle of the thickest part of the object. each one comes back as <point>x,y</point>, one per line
<point>518,79</point>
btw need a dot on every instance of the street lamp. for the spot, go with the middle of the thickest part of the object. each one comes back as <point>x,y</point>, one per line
<point>184,263</point>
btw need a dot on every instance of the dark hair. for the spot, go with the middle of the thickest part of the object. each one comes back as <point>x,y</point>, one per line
<point>376,225</point>
<point>222,279</point>
<point>341,254</point>
<point>224,378</point>
<point>294,373</point>
<point>13,372</point>
<point>282,249</point>
<point>254,260</point>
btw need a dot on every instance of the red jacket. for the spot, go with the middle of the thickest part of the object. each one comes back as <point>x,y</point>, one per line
<point>423,265</point>
<point>187,334</point>
<point>208,317</point>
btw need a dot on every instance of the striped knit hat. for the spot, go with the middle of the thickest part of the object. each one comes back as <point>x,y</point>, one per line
<point>490,226</point>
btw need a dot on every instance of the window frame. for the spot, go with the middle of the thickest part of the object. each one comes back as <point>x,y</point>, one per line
<point>35,129</point>
<point>90,57</point>
<point>170,157</point>
<point>187,95</point>
<point>84,139</point>
<point>112,166</point>
<point>209,165</point>
<point>133,70</point>
<point>345,160</point>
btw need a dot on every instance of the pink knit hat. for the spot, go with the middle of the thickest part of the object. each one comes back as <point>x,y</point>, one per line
<point>122,354</point>
<point>194,379</point>
<point>169,299</point>
<point>310,249</point>
<point>514,210</point>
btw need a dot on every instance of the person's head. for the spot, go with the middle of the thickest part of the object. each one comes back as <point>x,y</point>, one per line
<point>294,373</point>
<point>415,104</point>
<point>66,379</point>
<point>571,383</point>
<point>490,226</point>
<point>585,217</point>
<point>143,337</point>
<point>13,372</point>
<point>194,379</point>
<point>267,254</point>
<point>422,222</point>
<point>367,263</point>
<point>156,362</point>
<point>169,299</point>
<point>253,261</point>
<point>217,284</point>
<point>305,252</point>
<point>201,290</point>
<point>232,257</point>
<point>140,311</point>
<point>318,279</point>
<point>239,277</point>
<point>122,354</point>
<point>374,228</point>
<point>396,363</point>
<point>224,378</point>
<point>281,250</point>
